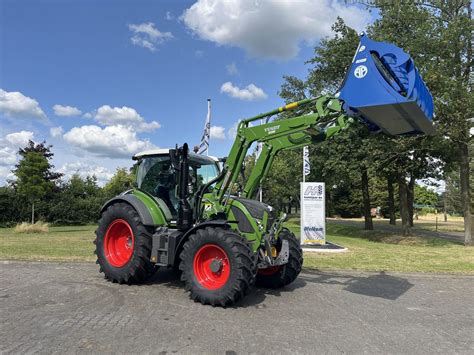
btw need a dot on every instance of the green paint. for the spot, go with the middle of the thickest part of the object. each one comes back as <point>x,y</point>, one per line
<point>155,211</point>
<point>326,121</point>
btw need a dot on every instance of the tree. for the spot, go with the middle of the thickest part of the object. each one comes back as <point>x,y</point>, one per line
<point>438,33</point>
<point>121,181</point>
<point>9,204</point>
<point>78,201</point>
<point>455,107</point>
<point>425,196</point>
<point>34,175</point>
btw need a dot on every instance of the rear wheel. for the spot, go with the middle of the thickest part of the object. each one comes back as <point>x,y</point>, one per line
<point>123,245</point>
<point>218,266</point>
<point>280,276</point>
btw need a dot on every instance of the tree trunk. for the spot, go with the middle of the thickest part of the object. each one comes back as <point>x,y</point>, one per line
<point>391,201</point>
<point>366,199</point>
<point>465,192</point>
<point>33,212</point>
<point>403,198</point>
<point>410,200</point>
<point>444,206</point>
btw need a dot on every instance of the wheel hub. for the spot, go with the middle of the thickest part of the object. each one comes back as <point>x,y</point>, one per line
<point>211,266</point>
<point>216,265</point>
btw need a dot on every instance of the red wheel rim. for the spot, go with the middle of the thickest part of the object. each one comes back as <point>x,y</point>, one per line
<point>211,266</point>
<point>269,270</point>
<point>119,243</point>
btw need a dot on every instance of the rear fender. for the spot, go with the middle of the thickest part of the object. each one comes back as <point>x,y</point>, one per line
<point>149,212</point>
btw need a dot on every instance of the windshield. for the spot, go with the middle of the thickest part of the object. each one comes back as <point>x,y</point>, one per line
<point>157,177</point>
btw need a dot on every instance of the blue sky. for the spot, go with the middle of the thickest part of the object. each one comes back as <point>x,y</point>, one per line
<point>102,80</point>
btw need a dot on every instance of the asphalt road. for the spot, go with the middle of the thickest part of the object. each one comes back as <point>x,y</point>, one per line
<point>70,308</point>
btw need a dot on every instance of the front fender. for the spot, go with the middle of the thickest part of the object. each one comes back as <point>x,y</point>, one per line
<point>184,237</point>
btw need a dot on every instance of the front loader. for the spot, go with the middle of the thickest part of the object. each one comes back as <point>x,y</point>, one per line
<point>182,214</point>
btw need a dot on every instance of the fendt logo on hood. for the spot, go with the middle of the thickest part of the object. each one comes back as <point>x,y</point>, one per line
<point>314,191</point>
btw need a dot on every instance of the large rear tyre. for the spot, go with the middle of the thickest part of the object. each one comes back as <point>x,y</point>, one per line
<point>280,276</point>
<point>123,245</point>
<point>218,266</point>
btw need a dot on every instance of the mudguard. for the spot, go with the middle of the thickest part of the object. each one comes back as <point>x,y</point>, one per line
<point>136,203</point>
<point>181,239</point>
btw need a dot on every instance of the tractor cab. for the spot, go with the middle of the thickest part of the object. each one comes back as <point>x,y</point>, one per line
<point>157,176</point>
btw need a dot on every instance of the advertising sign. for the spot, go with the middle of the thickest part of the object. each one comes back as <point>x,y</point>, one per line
<point>313,213</point>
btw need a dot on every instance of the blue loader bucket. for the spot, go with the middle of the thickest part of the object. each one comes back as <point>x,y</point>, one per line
<point>384,88</point>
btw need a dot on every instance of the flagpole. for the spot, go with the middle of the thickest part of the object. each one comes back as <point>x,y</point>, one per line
<point>306,164</point>
<point>304,148</point>
<point>209,118</point>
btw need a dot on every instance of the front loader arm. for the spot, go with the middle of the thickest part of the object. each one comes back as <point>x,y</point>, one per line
<point>272,147</point>
<point>326,119</point>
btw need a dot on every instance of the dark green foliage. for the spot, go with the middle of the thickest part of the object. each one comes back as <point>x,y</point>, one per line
<point>425,196</point>
<point>35,178</point>
<point>120,182</point>
<point>78,201</point>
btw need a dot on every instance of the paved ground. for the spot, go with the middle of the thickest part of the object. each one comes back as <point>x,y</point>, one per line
<point>66,308</point>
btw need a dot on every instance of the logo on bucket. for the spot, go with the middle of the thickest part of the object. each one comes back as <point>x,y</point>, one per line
<point>360,71</point>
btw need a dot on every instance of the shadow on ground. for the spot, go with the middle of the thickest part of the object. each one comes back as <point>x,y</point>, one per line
<point>256,297</point>
<point>381,285</point>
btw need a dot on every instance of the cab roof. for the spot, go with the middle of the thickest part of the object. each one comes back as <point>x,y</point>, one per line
<point>166,151</point>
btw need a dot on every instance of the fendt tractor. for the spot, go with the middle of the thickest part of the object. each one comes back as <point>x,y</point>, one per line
<point>182,213</point>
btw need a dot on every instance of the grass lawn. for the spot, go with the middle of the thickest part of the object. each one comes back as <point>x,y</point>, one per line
<point>60,243</point>
<point>370,251</point>
<point>378,251</point>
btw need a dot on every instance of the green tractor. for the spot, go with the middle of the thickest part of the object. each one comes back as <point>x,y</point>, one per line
<point>182,213</point>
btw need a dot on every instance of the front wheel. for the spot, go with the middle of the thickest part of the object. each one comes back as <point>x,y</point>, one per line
<point>123,245</point>
<point>280,276</point>
<point>218,266</point>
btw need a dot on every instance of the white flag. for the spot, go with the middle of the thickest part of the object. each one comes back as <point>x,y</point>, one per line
<point>258,150</point>
<point>306,164</point>
<point>204,145</point>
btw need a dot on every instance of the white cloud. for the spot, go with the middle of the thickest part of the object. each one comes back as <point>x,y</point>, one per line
<point>9,147</point>
<point>148,36</point>
<point>198,53</point>
<point>270,29</point>
<point>232,69</point>
<point>88,115</point>
<point>232,132</point>
<point>7,156</point>
<point>217,132</point>
<point>56,131</point>
<point>111,141</point>
<point>19,139</point>
<point>85,169</point>
<point>16,105</point>
<point>126,116</point>
<point>249,93</point>
<point>169,16</point>
<point>66,111</point>
<point>5,173</point>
